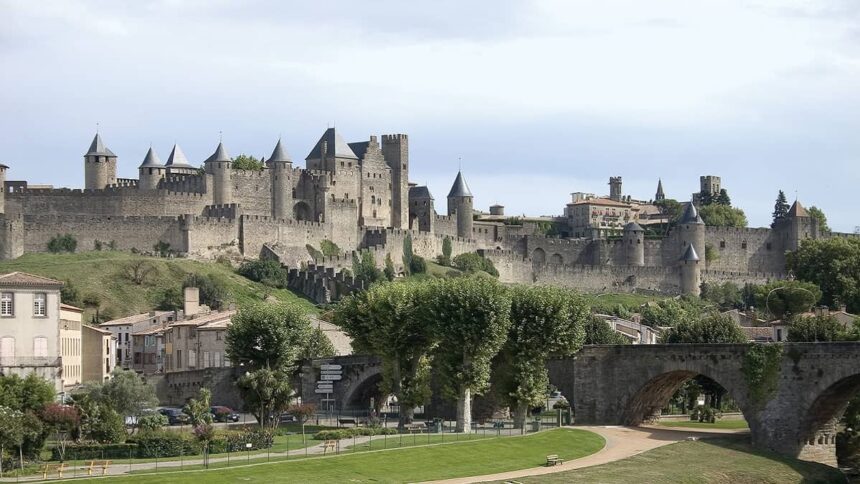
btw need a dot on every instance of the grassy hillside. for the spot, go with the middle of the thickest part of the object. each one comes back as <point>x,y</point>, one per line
<point>103,273</point>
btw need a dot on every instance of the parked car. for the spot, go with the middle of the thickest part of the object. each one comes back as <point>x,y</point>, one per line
<point>175,416</point>
<point>287,418</point>
<point>224,414</point>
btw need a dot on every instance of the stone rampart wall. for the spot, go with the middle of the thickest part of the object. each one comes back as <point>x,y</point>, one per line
<point>140,233</point>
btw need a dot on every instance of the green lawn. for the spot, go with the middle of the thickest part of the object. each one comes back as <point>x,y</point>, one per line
<point>723,460</point>
<point>101,273</point>
<point>430,462</point>
<point>719,424</point>
<point>607,301</point>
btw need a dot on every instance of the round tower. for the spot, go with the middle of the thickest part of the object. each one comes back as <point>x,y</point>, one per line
<point>219,166</point>
<point>150,172</point>
<point>691,230</point>
<point>99,166</point>
<point>634,244</point>
<point>690,272</point>
<point>281,173</point>
<point>460,204</point>
<point>3,169</point>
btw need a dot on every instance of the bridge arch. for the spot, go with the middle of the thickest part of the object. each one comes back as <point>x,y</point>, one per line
<point>364,387</point>
<point>557,259</point>
<point>302,211</point>
<point>539,256</point>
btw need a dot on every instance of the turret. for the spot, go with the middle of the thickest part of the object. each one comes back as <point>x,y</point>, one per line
<point>219,166</point>
<point>99,166</point>
<point>615,188</point>
<point>634,244</point>
<point>395,150</point>
<point>797,225</point>
<point>460,204</point>
<point>691,229</point>
<point>690,272</point>
<point>177,163</point>
<point>151,171</point>
<point>3,169</point>
<point>659,196</point>
<point>281,170</point>
<point>422,215</point>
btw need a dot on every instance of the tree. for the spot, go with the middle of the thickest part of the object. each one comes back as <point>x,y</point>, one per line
<point>267,394</point>
<point>62,420</point>
<point>723,198</point>
<point>170,299</point>
<point>268,336</point>
<point>473,316</point>
<point>713,328</point>
<point>28,394</point>
<point>69,294</point>
<point>725,296</point>
<point>318,346</point>
<point>668,313</point>
<point>544,321</point>
<point>672,209</point>
<point>11,431</point>
<point>818,215</point>
<point>705,198</point>
<point>364,268</point>
<point>329,248</point>
<point>213,291</point>
<point>302,413</point>
<point>392,321</point>
<point>198,409</point>
<point>716,215</point>
<point>786,298</point>
<point>389,268</point>
<point>266,271</point>
<point>407,253</point>
<point>152,421</point>
<point>247,162</point>
<point>445,258</point>
<point>471,263</point>
<point>99,422</point>
<point>833,264</point>
<point>126,393</point>
<point>598,332</point>
<point>780,208</point>
<point>820,328</point>
<point>138,271</point>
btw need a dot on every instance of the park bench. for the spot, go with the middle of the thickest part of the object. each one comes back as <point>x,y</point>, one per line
<point>553,459</point>
<point>415,428</point>
<point>95,464</point>
<point>329,444</point>
<point>344,421</point>
<point>48,468</point>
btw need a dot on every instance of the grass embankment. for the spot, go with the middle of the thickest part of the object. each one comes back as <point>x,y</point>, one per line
<point>723,460</point>
<point>606,301</point>
<point>412,464</point>
<point>103,273</point>
<point>727,424</point>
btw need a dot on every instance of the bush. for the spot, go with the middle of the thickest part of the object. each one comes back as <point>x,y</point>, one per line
<point>62,243</point>
<point>165,443</point>
<point>341,434</point>
<point>153,421</point>
<point>329,248</point>
<point>108,427</point>
<point>162,248</point>
<point>96,451</point>
<point>417,265</point>
<point>471,262</point>
<point>268,272</point>
<point>213,291</point>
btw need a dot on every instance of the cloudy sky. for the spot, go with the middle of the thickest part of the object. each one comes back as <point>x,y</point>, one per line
<point>538,99</point>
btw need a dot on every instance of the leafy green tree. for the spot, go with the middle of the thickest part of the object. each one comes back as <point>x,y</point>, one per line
<point>419,265</point>
<point>213,291</point>
<point>471,263</point>
<point>62,420</point>
<point>152,421</point>
<point>668,312</point>
<point>28,394</point>
<point>329,248</point>
<point>723,198</point>
<point>364,268</point>
<point>126,393</point>
<point>713,328</point>
<point>11,431</point>
<point>247,162</point>
<point>445,258</point>
<point>725,296</point>
<point>266,271</point>
<point>786,298</point>
<point>268,336</point>
<point>821,328</point>
<point>267,393</point>
<point>392,321</point>
<point>598,332</point>
<point>473,317</point>
<point>170,298</point>
<point>672,209</point>
<point>198,409</point>
<point>544,321</point>
<point>818,215</point>
<point>716,215</point>
<point>318,345</point>
<point>780,208</point>
<point>389,268</point>
<point>833,264</point>
<point>407,253</point>
<point>69,294</point>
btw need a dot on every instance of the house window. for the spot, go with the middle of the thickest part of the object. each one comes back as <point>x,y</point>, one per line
<point>722,244</point>
<point>178,358</point>
<point>40,304</point>
<point>192,358</point>
<point>7,304</point>
<point>40,346</point>
<point>7,349</point>
<point>744,244</point>
<point>206,362</point>
<point>216,359</point>
<point>779,334</point>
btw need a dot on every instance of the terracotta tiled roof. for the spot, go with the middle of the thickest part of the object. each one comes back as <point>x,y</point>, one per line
<point>25,279</point>
<point>757,332</point>
<point>137,318</point>
<point>602,201</point>
<point>69,307</point>
<point>797,210</point>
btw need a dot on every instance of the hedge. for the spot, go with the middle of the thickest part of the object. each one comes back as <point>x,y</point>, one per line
<point>96,451</point>
<point>340,434</point>
<point>163,443</point>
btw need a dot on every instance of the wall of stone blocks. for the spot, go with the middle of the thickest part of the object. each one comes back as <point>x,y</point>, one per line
<point>745,250</point>
<point>140,233</point>
<point>253,191</point>
<point>206,233</point>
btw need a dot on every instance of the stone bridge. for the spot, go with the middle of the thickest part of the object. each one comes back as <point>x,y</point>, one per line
<point>628,384</point>
<point>359,382</point>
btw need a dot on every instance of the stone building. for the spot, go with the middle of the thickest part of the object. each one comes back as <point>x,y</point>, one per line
<point>71,345</point>
<point>98,350</point>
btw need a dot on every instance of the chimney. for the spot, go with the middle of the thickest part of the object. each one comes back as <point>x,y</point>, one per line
<point>822,311</point>
<point>192,301</point>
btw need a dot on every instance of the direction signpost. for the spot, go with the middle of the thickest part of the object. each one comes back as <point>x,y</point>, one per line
<point>329,373</point>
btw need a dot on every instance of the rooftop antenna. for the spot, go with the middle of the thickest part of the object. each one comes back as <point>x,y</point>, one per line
<point>97,127</point>
<point>459,163</point>
<point>220,136</point>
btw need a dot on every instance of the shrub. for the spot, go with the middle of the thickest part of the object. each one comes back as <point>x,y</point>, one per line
<point>62,243</point>
<point>417,265</point>
<point>329,248</point>
<point>162,248</point>
<point>269,272</point>
<point>96,451</point>
<point>165,443</point>
<point>153,421</point>
<point>213,292</point>
<point>340,434</point>
<point>471,262</point>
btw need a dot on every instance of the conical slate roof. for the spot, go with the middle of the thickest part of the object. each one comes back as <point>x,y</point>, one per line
<point>633,227</point>
<point>219,155</point>
<point>660,194</point>
<point>177,158</point>
<point>690,254</point>
<point>691,215</point>
<point>279,155</point>
<point>460,188</point>
<point>151,160</point>
<point>335,146</point>
<point>98,148</point>
<point>420,193</point>
<point>797,210</point>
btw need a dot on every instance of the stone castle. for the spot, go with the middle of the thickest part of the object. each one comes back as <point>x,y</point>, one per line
<point>358,196</point>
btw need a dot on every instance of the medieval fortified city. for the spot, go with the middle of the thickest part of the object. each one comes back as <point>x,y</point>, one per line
<point>246,313</point>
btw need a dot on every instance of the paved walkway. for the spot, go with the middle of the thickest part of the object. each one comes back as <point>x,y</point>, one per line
<point>621,443</point>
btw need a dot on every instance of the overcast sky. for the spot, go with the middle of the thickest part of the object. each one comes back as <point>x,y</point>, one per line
<point>539,99</point>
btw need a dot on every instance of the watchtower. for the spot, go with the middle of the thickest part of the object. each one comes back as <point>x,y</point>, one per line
<point>219,165</point>
<point>615,188</point>
<point>634,244</point>
<point>99,166</point>
<point>395,150</point>
<point>691,230</point>
<point>460,204</point>
<point>690,272</point>
<point>151,171</point>
<point>281,171</point>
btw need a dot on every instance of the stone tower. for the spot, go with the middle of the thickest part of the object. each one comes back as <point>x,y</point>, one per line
<point>691,230</point>
<point>422,214</point>
<point>177,163</point>
<point>395,150</point>
<point>659,196</point>
<point>797,226</point>
<point>281,172</point>
<point>151,171</point>
<point>460,204</point>
<point>219,165</point>
<point>99,166</point>
<point>634,244</point>
<point>3,169</point>
<point>690,272</point>
<point>615,188</point>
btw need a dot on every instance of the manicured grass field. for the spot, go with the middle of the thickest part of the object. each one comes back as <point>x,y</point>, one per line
<point>724,460</point>
<point>459,459</point>
<point>101,273</point>
<point>729,424</point>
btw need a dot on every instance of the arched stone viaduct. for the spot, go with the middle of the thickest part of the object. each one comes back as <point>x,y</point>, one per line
<point>627,384</point>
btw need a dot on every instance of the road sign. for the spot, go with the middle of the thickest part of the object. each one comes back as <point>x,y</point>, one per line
<point>323,387</point>
<point>331,367</point>
<point>319,390</point>
<point>331,377</point>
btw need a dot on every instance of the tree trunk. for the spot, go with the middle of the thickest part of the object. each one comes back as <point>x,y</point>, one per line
<point>521,411</point>
<point>464,410</point>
